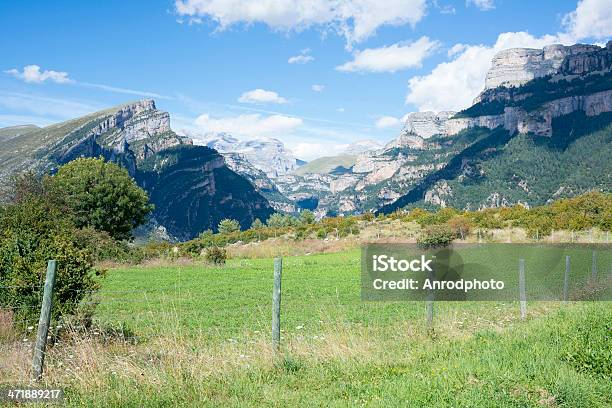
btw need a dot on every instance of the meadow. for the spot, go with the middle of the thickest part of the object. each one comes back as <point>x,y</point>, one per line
<point>191,334</point>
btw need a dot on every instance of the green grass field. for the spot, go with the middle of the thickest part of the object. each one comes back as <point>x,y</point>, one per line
<point>203,339</point>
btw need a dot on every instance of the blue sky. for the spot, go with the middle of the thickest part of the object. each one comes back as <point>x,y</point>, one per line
<point>357,66</point>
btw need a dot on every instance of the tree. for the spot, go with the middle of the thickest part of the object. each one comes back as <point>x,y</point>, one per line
<point>276,220</point>
<point>102,196</point>
<point>227,226</point>
<point>257,224</point>
<point>307,217</point>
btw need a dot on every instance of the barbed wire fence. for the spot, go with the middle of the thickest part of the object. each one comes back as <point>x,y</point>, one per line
<point>159,300</point>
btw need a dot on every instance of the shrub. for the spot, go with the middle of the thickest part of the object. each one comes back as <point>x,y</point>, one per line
<point>368,216</point>
<point>460,226</point>
<point>436,236</point>
<point>216,255</point>
<point>31,233</point>
<point>103,247</point>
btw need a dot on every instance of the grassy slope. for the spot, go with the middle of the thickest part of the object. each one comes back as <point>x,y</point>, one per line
<point>338,350</point>
<point>14,131</point>
<point>326,164</point>
<point>14,150</point>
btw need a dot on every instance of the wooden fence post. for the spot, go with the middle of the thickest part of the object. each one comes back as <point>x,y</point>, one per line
<point>43,323</point>
<point>522,294</point>
<point>566,278</point>
<point>276,301</point>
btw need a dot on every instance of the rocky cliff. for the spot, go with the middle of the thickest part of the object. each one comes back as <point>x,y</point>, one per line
<point>518,66</point>
<point>427,124</point>
<point>513,100</point>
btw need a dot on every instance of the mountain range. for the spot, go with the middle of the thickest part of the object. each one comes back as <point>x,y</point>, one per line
<point>191,187</point>
<point>541,129</point>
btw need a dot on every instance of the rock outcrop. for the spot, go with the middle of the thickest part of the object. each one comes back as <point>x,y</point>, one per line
<point>518,66</point>
<point>511,69</point>
<point>426,124</point>
<point>137,129</point>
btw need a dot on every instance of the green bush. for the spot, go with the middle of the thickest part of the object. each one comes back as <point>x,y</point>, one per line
<point>216,255</point>
<point>31,233</point>
<point>436,236</point>
<point>104,248</point>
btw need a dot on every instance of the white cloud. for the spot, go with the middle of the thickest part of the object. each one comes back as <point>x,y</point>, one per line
<point>591,19</point>
<point>341,109</point>
<point>249,125</point>
<point>483,5</point>
<point>356,20</point>
<point>300,59</point>
<point>390,121</point>
<point>387,121</point>
<point>390,58</point>
<point>318,88</point>
<point>261,96</point>
<point>454,84</point>
<point>313,150</point>
<point>126,91</point>
<point>456,49</point>
<point>304,57</point>
<point>33,74</point>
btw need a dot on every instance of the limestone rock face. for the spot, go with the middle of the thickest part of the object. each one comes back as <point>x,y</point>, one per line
<point>342,183</point>
<point>426,124</point>
<point>135,130</point>
<point>146,125</point>
<point>517,66</point>
<point>407,139</point>
<point>437,195</point>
